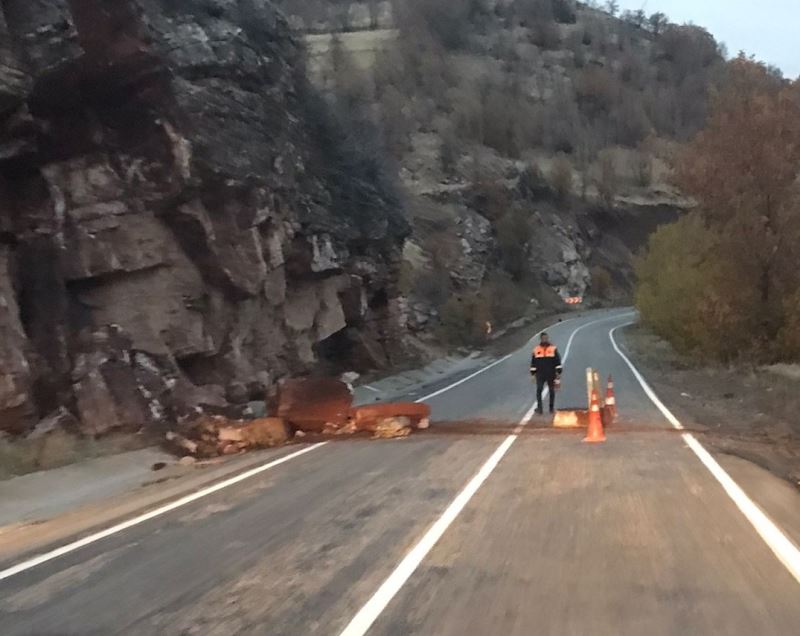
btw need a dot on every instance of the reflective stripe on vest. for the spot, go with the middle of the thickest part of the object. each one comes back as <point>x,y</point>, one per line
<point>545,352</point>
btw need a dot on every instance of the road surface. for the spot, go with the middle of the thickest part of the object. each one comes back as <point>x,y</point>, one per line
<point>466,530</point>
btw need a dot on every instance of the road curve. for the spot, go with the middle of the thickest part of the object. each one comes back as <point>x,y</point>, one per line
<point>634,536</point>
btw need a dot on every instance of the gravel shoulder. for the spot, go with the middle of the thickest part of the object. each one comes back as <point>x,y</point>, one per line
<point>750,413</point>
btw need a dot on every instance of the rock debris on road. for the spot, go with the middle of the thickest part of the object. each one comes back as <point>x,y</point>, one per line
<point>632,536</point>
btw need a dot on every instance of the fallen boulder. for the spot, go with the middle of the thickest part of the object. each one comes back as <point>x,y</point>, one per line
<point>301,406</point>
<point>216,435</point>
<point>314,404</point>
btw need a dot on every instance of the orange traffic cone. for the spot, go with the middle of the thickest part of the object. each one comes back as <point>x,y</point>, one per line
<point>611,399</point>
<point>595,434</point>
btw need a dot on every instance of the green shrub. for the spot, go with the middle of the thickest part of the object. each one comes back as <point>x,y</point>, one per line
<point>513,235</point>
<point>464,319</point>
<point>491,198</point>
<point>532,184</point>
<point>506,299</point>
<point>433,285</point>
<point>694,297</point>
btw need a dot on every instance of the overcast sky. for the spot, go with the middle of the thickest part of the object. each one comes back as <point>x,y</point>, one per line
<point>768,29</point>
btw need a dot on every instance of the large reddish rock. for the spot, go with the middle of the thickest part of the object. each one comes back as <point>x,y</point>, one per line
<point>309,404</point>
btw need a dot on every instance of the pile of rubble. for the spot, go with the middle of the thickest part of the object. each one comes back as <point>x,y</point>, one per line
<point>320,407</point>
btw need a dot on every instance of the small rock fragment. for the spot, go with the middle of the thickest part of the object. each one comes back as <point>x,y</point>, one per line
<point>182,442</point>
<point>392,427</point>
<point>348,429</point>
<point>330,429</point>
<point>262,433</point>
<point>231,434</point>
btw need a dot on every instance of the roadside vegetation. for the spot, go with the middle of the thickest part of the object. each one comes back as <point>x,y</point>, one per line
<point>525,107</point>
<point>723,283</point>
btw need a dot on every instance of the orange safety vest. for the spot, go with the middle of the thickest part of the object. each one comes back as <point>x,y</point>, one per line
<point>545,352</point>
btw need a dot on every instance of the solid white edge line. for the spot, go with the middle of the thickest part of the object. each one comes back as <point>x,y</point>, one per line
<point>462,381</point>
<point>373,608</point>
<point>182,501</point>
<point>780,545</point>
<point>589,324</point>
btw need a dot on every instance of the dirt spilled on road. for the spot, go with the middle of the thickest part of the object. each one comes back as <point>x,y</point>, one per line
<point>543,428</point>
<point>749,413</point>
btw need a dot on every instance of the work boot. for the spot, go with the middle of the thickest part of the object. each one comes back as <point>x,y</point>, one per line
<point>539,410</point>
<point>552,410</point>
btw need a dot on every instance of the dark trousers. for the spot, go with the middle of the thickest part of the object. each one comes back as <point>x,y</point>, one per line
<point>551,385</point>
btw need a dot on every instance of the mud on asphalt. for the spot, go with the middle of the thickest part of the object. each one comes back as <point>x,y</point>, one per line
<point>744,412</point>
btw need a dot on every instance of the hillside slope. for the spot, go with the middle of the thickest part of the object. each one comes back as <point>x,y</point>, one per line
<point>184,219</point>
<point>532,136</point>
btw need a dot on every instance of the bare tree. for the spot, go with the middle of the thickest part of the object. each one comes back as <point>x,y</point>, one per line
<point>641,166</point>
<point>562,178</point>
<point>743,169</point>
<point>637,18</point>
<point>374,14</point>
<point>658,21</point>
<point>608,179</point>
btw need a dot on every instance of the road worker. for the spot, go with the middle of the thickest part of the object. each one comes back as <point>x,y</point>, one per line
<point>546,368</point>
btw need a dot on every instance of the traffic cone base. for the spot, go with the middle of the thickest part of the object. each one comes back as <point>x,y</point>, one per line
<point>595,434</point>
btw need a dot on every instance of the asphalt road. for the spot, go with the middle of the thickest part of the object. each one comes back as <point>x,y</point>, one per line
<point>551,536</point>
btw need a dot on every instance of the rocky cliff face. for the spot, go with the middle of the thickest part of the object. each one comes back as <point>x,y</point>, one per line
<point>534,140</point>
<point>173,226</point>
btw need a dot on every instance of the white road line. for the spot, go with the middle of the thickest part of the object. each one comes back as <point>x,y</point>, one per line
<point>97,536</point>
<point>182,501</point>
<point>589,324</point>
<point>504,358</point>
<point>467,379</point>
<point>372,388</point>
<point>372,609</point>
<point>369,613</point>
<point>773,536</point>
